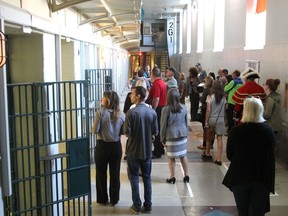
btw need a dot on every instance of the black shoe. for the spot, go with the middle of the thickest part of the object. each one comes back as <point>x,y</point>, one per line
<point>171,180</point>
<point>146,209</point>
<point>186,179</point>
<point>204,156</point>
<point>135,210</point>
<point>218,162</point>
<point>113,203</point>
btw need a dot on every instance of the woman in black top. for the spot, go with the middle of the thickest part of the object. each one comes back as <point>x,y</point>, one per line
<point>192,91</point>
<point>250,148</point>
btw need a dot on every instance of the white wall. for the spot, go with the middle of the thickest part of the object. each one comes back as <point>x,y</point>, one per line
<point>273,58</point>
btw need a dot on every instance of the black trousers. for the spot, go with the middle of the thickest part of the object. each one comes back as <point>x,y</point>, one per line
<point>158,147</point>
<point>230,120</point>
<point>108,153</point>
<point>194,105</point>
<point>252,199</point>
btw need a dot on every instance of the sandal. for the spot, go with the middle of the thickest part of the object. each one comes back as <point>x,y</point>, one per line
<point>201,147</point>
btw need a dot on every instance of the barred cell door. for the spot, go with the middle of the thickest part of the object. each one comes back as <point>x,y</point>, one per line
<point>49,140</point>
<point>99,81</point>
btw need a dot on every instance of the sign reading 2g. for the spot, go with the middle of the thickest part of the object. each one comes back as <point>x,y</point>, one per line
<point>170,30</point>
<point>171,35</point>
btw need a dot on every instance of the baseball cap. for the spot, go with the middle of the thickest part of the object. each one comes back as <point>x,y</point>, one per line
<point>173,69</point>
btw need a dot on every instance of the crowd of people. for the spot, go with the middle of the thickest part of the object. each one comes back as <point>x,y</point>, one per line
<point>155,120</point>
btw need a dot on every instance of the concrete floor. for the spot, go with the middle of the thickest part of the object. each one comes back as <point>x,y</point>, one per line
<point>203,195</point>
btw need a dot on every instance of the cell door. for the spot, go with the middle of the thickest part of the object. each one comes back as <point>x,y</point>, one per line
<point>49,140</point>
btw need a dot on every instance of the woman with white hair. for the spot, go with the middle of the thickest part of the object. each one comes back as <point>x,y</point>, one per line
<point>250,148</point>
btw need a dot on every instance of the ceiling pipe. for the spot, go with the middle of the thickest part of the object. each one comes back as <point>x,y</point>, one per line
<point>104,28</point>
<point>55,7</point>
<point>94,19</point>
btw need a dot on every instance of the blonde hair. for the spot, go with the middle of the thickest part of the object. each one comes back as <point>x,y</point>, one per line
<point>182,76</point>
<point>253,110</point>
<point>208,82</point>
<point>141,82</point>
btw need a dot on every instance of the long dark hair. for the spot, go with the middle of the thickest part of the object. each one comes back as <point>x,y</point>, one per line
<point>193,72</point>
<point>112,103</point>
<point>218,91</point>
<point>173,100</point>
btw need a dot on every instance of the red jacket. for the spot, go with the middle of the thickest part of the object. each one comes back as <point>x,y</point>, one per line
<point>250,88</point>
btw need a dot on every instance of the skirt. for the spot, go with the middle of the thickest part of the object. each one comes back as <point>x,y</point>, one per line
<point>176,148</point>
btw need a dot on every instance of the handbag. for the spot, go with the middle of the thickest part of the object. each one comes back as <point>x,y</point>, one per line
<point>209,133</point>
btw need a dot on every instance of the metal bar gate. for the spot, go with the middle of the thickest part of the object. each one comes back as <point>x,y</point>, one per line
<point>49,139</point>
<point>99,80</point>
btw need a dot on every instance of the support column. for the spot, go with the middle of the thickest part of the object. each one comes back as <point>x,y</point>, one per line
<point>5,168</point>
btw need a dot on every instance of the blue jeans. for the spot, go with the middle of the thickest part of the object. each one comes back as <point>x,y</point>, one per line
<point>133,173</point>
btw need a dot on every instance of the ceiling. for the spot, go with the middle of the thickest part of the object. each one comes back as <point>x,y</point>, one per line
<point>121,19</point>
<point>118,19</point>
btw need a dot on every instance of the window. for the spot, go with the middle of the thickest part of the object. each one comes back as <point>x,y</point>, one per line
<point>188,29</point>
<point>255,24</point>
<point>219,25</point>
<point>200,27</point>
<point>181,32</point>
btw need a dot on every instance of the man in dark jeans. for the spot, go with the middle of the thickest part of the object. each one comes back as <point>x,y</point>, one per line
<point>157,95</point>
<point>140,127</point>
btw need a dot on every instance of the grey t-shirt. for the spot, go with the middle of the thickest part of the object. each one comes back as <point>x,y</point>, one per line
<point>215,110</point>
<point>107,129</point>
<point>171,83</point>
